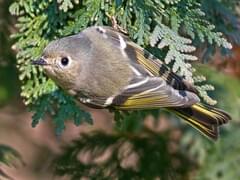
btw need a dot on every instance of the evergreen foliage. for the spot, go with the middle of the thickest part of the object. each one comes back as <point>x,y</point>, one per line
<point>99,155</point>
<point>170,29</point>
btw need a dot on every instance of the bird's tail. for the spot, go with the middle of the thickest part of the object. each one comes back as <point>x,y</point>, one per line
<point>204,118</point>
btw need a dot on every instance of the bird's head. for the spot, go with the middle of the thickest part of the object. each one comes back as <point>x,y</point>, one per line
<point>62,58</point>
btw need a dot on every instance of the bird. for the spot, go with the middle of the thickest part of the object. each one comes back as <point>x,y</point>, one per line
<point>103,68</point>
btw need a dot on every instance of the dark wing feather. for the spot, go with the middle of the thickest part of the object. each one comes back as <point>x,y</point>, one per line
<point>152,92</point>
<point>144,93</point>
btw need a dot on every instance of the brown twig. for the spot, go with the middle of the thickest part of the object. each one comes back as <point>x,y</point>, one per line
<point>115,24</point>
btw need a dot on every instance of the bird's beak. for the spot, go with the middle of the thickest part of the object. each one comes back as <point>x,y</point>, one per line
<point>40,61</point>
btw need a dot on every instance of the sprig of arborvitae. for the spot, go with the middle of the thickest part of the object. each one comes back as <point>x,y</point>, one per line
<point>178,50</point>
<point>171,25</point>
<point>99,155</point>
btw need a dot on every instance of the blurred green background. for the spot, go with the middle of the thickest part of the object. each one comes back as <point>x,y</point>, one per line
<point>162,149</point>
<point>9,86</point>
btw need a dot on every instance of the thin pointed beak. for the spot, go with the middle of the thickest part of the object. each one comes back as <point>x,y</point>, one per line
<point>40,61</point>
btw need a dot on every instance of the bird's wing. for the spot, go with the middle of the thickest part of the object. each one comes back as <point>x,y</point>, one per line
<point>152,65</point>
<point>151,92</point>
<point>144,93</point>
<point>153,85</point>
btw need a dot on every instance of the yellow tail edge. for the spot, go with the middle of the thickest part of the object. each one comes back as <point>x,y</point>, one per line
<point>204,118</point>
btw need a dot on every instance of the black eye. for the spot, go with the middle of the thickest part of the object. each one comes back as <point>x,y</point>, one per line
<point>64,61</point>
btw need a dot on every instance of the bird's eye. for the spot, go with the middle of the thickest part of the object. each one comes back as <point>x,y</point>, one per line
<point>64,61</point>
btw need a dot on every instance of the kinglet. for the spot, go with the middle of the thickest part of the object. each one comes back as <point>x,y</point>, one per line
<point>102,68</point>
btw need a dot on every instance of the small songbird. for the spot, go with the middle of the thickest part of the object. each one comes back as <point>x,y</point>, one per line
<point>102,68</point>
